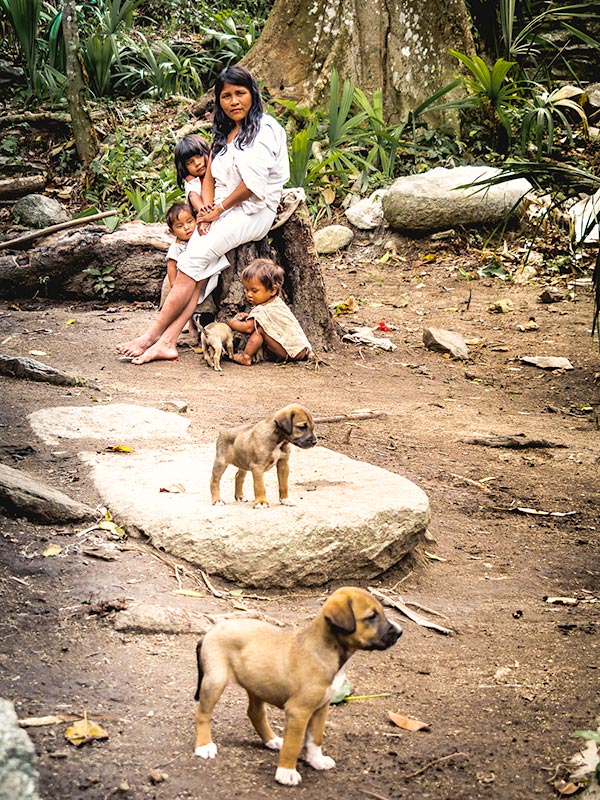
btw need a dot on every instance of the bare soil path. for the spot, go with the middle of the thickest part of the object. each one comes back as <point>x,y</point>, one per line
<point>501,697</point>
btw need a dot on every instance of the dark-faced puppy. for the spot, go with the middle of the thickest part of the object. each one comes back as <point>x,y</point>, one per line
<point>297,671</point>
<point>215,338</point>
<point>256,448</point>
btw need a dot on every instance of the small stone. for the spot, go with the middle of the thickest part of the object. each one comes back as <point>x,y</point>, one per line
<point>332,238</point>
<point>551,295</point>
<point>156,776</point>
<point>503,306</point>
<point>548,362</point>
<point>445,342</point>
<point>180,406</point>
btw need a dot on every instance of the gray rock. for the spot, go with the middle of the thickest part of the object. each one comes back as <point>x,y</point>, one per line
<point>332,238</point>
<point>548,362</point>
<point>367,213</point>
<point>551,294</point>
<point>114,423</point>
<point>18,762</point>
<point>432,201</point>
<point>32,370</point>
<point>27,497</point>
<point>445,342</point>
<point>349,521</point>
<point>39,211</point>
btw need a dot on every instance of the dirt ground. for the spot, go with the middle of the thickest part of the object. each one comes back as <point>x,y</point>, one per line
<point>502,696</point>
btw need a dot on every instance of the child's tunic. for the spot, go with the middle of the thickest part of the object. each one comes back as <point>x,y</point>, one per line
<point>277,320</point>
<point>263,167</point>
<point>195,185</point>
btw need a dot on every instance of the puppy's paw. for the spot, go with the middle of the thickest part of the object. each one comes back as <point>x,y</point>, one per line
<point>276,743</point>
<point>261,505</point>
<point>288,777</point>
<point>218,503</point>
<point>315,758</point>
<point>321,762</point>
<point>206,750</point>
<point>217,368</point>
<point>285,501</point>
<point>240,500</point>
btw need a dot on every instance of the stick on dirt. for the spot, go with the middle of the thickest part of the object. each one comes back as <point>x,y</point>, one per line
<point>72,223</point>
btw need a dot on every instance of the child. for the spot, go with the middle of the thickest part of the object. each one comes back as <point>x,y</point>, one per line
<point>191,156</point>
<point>182,224</point>
<point>270,323</point>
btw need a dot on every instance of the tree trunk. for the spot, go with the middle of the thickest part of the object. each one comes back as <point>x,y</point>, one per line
<point>83,129</point>
<point>399,46</point>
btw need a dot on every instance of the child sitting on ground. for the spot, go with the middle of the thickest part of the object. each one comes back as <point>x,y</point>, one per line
<point>270,322</point>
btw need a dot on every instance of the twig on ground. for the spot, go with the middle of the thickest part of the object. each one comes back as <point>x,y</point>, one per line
<point>209,585</point>
<point>400,606</point>
<point>470,481</point>
<point>432,764</point>
<point>367,414</point>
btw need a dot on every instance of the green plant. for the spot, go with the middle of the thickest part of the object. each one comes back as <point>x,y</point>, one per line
<point>151,205</point>
<point>103,282</point>
<point>232,42</point>
<point>538,120</point>
<point>160,70</point>
<point>24,17</point>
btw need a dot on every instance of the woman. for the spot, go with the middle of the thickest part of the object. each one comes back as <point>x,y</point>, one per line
<point>240,193</point>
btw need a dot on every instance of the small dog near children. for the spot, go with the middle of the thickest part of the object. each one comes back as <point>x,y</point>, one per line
<point>298,671</point>
<point>215,338</point>
<point>256,448</point>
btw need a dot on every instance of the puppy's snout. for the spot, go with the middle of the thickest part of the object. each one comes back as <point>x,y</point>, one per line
<point>307,441</point>
<point>392,634</point>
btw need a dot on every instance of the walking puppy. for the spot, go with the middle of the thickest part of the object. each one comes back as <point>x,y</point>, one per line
<point>214,338</point>
<point>297,671</point>
<point>256,448</point>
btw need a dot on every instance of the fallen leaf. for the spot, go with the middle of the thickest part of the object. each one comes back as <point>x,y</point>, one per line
<point>186,592</point>
<point>38,353</point>
<point>119,448</point>
<point>83,731</point>
<point>407,723</point>
<point>52,550</point>
<point>173,488</point>
<point>69,322</point>
<point>564,787</point>
<point>344,691</point>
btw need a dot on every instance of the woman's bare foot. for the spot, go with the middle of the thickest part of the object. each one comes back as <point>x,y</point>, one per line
<point>243,358</point>
<point>158,352</point>
<point>135,347</point>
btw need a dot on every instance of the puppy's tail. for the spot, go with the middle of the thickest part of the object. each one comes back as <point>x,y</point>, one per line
<point>200,669</point>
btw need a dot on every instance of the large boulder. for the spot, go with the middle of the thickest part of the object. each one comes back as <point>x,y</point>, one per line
<point>39,211</point>
<point>350,520</point>
<point>443,198</point>
<point>18,762</point>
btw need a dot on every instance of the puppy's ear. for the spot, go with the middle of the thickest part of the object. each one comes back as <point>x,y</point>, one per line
<point>339,614</point>
<point>284,419</point>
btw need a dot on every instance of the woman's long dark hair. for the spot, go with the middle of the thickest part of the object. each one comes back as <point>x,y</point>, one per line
<point>186,148</point>
<point>222,125</point>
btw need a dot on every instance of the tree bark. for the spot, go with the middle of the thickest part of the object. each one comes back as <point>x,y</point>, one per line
<point>84,134</point>
<point>399,46</point>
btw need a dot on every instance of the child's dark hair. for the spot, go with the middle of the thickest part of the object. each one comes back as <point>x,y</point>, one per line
<point>270,274</point>
<point>173,213</point>
<point>222,125</point>
<point>186,148</point>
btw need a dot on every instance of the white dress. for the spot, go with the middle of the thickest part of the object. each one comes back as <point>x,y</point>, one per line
<point>264,167</point>
<point>195,185</point>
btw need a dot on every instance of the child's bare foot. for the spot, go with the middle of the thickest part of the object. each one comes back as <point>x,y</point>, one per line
<point>135,347</point>
<point>158,352</point>
<point>243,358</point>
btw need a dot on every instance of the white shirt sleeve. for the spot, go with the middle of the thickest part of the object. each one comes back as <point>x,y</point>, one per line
<point>264,165</point>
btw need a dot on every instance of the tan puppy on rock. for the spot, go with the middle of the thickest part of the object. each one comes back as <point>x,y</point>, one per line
<point>256,448</point>
<point>297,671</point>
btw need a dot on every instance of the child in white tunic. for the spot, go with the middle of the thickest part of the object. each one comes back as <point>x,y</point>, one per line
<point>270,323</point>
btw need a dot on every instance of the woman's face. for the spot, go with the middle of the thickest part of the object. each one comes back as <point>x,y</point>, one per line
<point>236,102</point>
